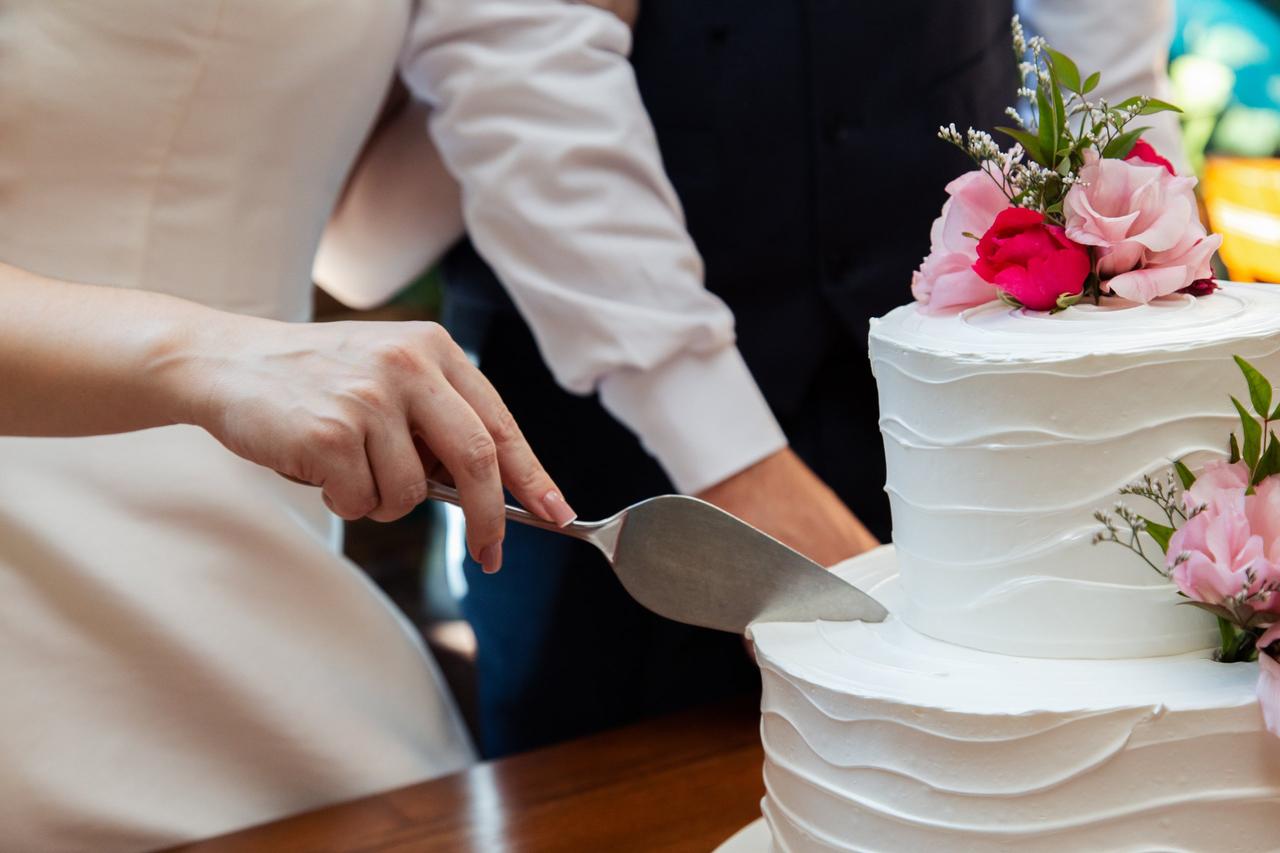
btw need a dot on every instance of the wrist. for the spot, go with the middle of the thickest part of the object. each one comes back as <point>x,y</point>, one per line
<point>180,362</point>
<point>749,477</point>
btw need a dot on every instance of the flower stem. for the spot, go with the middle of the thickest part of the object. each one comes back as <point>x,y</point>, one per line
<point>1227,632</point>
<point>1238,644</point>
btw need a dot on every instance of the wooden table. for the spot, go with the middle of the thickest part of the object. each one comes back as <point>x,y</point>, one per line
<point>681,783</point>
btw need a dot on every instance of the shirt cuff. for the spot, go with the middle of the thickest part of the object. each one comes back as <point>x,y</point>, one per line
<point>702,416</point>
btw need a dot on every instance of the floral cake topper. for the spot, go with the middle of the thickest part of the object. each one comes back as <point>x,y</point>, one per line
<point>1080,206</point>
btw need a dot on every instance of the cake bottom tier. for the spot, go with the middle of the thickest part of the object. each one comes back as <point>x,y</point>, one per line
<point>878,738</point>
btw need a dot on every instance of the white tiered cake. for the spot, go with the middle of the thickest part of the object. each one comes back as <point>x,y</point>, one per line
<point>1030,692</point>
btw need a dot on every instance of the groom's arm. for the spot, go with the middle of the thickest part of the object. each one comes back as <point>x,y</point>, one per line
<point>536,112</point>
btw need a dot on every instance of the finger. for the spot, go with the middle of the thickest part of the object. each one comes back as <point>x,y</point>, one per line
<point>435,470</point>
<point>342,471</point>
<point>397,471</point>
<point>458,438</point>
<point>519,467</point>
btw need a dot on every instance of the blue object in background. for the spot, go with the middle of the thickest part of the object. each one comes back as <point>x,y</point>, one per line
<point>1225,69</point>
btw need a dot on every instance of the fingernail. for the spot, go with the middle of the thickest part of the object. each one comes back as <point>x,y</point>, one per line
<point>559,511</point>
<point>491,558</point>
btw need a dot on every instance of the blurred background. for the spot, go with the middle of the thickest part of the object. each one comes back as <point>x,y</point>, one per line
<point>1225,70</point>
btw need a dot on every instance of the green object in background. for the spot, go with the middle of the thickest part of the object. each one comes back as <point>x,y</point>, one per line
<point>424,295</point>
<point>1248,132</point>
<point>1225,72</point>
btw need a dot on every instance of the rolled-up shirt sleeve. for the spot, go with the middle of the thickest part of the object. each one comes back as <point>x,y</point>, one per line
<point>1128,43</point>
<point>537,114</point>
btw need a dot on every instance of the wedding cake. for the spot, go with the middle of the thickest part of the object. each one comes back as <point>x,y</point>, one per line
<point>1030,691</point>
<point>1084,476</point>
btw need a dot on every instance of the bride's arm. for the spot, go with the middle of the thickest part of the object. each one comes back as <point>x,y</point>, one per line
<point>364,410</point>
<point>386,230</point>
<point>83,360</point>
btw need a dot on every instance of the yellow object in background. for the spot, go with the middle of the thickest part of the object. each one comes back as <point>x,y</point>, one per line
<point>1242,198</point>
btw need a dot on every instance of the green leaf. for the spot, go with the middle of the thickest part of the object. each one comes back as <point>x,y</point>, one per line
<point>1125,104</point>
<point>1160,534</point>
<point>1047,121</point>
<point>1009,300</point>
<point>1065,68</point>
<point>1217,610</point>
<point>1269,465</point>
<point>1028,142</point>
<point>1155,105</point>
<point>1184,473</point>
<point>1252,436</point>
<point>1259,387</point>
<point>1120,147</point>
<point>1059,117</point>
<point>1275,415</point>
<point>1235,450</point>
<point>1091,83</point>
<point>1065,301</point>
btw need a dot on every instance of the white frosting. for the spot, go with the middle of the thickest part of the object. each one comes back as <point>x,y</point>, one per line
<point>878,738</point>
<point>1004,430</point>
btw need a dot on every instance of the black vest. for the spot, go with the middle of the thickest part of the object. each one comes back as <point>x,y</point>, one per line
<point>801,138</point>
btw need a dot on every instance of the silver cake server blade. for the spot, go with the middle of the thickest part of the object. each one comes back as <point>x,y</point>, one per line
<point>692,562</point>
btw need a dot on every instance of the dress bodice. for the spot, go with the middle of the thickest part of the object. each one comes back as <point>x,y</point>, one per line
<point>193,147</point>
<point>184,653</point>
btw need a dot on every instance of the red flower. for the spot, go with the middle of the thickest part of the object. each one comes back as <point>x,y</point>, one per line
<point>1031,260</point>
<point>1200,287</point>
<point>1143,150</point>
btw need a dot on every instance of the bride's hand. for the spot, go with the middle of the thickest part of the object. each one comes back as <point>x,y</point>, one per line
<point>366,411</point>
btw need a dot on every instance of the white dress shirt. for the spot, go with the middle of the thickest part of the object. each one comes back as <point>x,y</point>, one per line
<point>537,115</point>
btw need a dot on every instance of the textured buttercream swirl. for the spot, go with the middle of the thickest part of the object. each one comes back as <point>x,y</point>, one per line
<point>1004,430</point>
<point>880,738</point>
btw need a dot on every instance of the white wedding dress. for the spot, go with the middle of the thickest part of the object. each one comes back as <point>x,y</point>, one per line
<point>182,651</point>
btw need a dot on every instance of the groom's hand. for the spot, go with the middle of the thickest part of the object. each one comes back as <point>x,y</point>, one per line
<point>783,497</point>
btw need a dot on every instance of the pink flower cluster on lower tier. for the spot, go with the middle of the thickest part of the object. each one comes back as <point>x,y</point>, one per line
<point>1229,550</point>
<point>1228,554</point>
<point>1134,223</point>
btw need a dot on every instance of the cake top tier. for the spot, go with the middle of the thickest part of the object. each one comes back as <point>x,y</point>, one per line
<point>996,332</point>
<point>1005,431</point>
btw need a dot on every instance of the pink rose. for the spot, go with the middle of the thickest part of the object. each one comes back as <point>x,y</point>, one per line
<point>1143,151</point>
<point>1216,556</point>
<point>946,281</point>
<point>1216,477</point>
<point>1031,260</point>
<point>1144,222</point>
<point>1269,680</point>
<point>1263,509</point>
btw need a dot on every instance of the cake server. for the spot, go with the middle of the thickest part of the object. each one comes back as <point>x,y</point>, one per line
<point>692,562</point>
